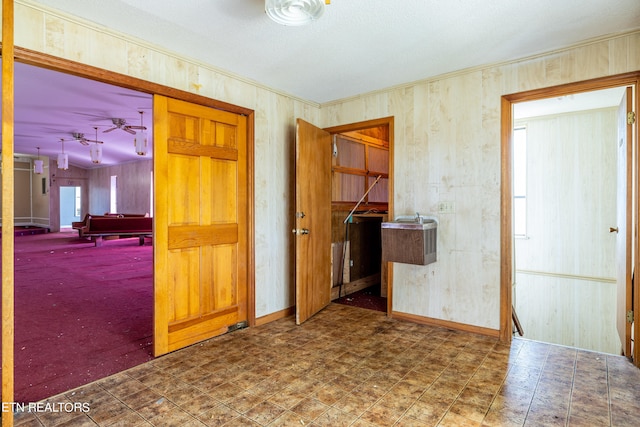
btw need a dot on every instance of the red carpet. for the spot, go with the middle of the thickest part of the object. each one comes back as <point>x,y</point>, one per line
<point>23,230</point>
<point>366,298</point>
<point>81,312</point>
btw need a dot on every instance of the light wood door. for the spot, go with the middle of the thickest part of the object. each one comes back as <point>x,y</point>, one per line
<point>313,220</point>
<point>623,226</point>
<point>200,223</point>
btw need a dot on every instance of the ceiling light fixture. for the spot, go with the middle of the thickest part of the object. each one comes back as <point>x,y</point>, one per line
<point>294,12</point>
<point>96,150</point>
<point>63,158</point>
<point>38,165</point>
<point>140,141</point>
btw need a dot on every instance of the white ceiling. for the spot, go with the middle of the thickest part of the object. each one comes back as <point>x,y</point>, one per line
<point>575,102</point>
<point>357,46</point>
<point>50,106</point>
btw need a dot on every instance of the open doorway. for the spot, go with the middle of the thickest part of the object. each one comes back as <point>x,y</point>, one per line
<point>81,312</point>
<point>627,292</point>
<point>137,181</point>
<point>70,206</point>
<point>361,193</point>
<point>564,198</point>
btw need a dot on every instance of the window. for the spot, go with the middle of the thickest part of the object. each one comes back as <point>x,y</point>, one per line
<point>151,195</point>
<point>78,197</point>
<point>113,205</point>
<point>520,181</point>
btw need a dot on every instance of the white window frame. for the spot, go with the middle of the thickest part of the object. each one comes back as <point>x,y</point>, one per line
<point>113,194</point>
<point>520,182</point>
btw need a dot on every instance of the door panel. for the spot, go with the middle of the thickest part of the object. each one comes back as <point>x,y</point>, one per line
<point>313,213</point>
<point>623,217</point>
<point>201,228</point>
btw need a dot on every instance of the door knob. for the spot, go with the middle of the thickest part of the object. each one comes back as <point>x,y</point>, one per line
<point>612,229</point>
<point>300,231</point>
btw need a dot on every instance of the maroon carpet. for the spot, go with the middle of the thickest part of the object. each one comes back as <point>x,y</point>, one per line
<point>366,298</point>
<point>81,312</point>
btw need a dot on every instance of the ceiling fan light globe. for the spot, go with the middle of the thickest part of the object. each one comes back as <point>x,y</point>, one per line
<point>38,166</point>
<point>96,153</point>
<point>63,161</point>
<point>294,12</point>
<point>140,142</point>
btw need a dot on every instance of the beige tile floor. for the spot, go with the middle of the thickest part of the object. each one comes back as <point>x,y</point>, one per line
<point>355,367</point>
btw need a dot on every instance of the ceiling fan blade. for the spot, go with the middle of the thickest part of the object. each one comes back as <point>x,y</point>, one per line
<point>53,130</point>
<point>127,129</point>
<point>135,95</point>
<point>137,127</point>
<point>94,140</point>
<point>83,141</point>
<point>110,129</point>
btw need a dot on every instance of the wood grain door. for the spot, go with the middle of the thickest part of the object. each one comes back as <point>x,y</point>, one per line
<point>313,220</point>
<point>623,226</point>
<point>200,223</point>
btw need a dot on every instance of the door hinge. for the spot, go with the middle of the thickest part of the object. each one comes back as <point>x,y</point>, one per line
<point>631,117</point>
<point>236,326</point>
<point>630,316</point>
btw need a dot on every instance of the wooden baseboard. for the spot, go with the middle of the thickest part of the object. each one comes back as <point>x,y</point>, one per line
<point>494,333</point>
<point>276,316</point>
<point>355,286</point>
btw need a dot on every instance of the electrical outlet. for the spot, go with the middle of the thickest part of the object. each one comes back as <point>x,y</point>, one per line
<point>446,207</point>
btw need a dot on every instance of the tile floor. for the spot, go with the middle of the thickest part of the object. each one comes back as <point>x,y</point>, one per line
<point>354,367</point>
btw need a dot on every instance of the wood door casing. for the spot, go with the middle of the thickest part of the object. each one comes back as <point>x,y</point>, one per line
<point>313,213</point>
<point>506,232</point>
<point>200,222</point>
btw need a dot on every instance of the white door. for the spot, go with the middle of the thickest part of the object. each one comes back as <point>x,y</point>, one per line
<point>623,227</point>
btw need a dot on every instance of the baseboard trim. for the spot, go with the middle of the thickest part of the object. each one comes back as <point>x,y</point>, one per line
<point>355,286</point>
<point>463,327</point>
<point>276,316</point>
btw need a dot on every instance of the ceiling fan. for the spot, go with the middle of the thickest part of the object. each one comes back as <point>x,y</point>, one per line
<point>122,125</point>
<point>82,140</point>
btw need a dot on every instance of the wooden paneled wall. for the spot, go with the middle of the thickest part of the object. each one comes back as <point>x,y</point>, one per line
<point>133,187</point>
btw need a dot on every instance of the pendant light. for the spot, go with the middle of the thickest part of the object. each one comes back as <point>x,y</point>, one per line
<point>38,165</point>
<point>63,158</point>
<point>96,150</point>
<point>140,141</point>
<point>294,12</point>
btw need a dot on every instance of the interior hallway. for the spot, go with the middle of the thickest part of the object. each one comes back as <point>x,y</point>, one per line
<point>355,367</point>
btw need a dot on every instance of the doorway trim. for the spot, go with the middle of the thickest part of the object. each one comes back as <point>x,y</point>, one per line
<point>388,122</point>
<point>506,199</point>
<point>50,62</point>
